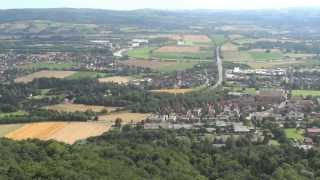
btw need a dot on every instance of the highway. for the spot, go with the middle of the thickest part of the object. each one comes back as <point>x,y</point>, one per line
<point>220,69</point>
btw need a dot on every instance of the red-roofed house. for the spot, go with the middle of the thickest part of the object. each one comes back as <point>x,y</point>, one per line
<point>313,132</point>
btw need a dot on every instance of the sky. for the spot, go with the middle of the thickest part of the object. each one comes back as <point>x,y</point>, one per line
<point>159,4</point>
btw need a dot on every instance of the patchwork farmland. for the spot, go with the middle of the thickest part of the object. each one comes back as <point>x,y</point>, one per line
<point>263,58</point>
<point>178,47</point>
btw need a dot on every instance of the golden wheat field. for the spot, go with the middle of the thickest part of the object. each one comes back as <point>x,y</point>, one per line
<point>67,132</point>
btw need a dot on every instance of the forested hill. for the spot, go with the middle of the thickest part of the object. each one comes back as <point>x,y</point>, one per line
<point>141,154</point>
<point>149,17</point>
<point>91,16</point>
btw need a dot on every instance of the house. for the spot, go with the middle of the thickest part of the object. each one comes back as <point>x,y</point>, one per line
<point>308,141</point>
<point>240,128</point>
<point>223,126</point>
<point>156,118</point>
<point>140,41</point>
<point>315,115</point>
<point>313,132</point>
<point>172,117</point>
<point>180,43</point>
<point>259,116</point>
<point>210,130</point>
<point>134,44</point>
<point>294,115</point>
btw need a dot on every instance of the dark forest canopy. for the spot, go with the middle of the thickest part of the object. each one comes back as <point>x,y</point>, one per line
<point>142,154</point>
<point>91,92</point>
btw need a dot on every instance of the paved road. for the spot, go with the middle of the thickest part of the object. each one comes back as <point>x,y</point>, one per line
<point>220,69</point>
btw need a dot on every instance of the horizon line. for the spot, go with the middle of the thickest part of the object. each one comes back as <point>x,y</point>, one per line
<point>172,9</point>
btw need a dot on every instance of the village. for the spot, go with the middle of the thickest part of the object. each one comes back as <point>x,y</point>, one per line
<point>256,101</point>
<point>248,113</point>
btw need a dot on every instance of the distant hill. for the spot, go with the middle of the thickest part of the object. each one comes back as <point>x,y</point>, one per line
<point>92,16</point>
<point>150,17</point>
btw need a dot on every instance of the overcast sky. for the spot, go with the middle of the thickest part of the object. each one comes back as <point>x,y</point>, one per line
<point>159,4</point>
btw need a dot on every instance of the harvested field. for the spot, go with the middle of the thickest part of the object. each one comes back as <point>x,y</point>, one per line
<point>115,79</point>
<point>173,91</point>
<point>36,130</point>
<point>44,74</point>
<point>60,131</point>
<point>73,132</point>
<point>87,74</point>
<point>79,108</point>
<point>196,38</point>
<point>178,49</point>
<point>126,117</point>
<point>7,128</point>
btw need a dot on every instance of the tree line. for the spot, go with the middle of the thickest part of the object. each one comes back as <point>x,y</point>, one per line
<point>155,154</point>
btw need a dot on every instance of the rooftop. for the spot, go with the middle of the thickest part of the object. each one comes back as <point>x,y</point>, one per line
<point>313,130</point>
